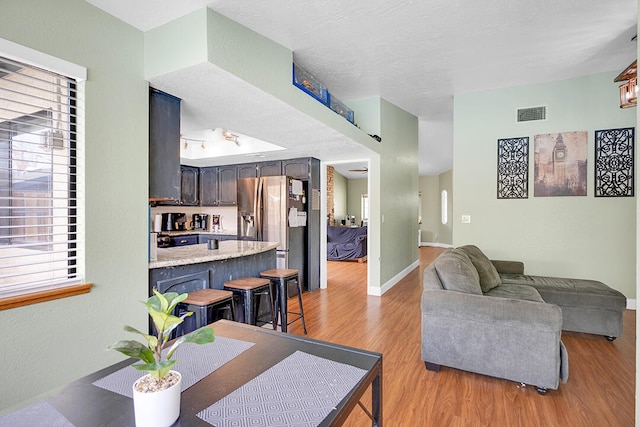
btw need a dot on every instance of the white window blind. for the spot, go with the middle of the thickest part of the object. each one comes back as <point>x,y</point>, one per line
<point>38,178</point>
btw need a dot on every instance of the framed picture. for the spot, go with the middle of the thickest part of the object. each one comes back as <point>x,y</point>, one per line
<point>560,164</point>
<point>513,168</point>
<point>614,162</point>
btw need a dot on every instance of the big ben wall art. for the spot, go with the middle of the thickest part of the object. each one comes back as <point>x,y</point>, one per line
<point>560,164</point>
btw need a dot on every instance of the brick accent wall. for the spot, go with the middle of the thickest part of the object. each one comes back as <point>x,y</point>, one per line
<point>330,197</point>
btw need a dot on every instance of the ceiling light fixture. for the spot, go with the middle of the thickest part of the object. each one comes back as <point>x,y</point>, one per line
<point>629,89</point>
<point>187,140</point>
<point>230,137</point>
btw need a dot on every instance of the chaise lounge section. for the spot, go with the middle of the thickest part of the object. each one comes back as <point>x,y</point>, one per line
<point>473,323</point>
<point>488,317</point>
<point>587,305</point>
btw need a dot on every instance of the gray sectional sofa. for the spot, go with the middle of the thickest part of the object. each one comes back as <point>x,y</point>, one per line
<point>488,317</point>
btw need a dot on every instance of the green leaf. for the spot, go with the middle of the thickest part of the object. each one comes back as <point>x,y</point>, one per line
<point>134,349</point>
<point>156,370</point>
<point>163,321</point>
<point>152,341</point>
<point>174,299</point>
<point>167,333</point>
<point>203,335</point>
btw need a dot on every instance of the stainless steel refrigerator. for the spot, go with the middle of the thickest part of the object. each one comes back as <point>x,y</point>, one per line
<point>273,209</point>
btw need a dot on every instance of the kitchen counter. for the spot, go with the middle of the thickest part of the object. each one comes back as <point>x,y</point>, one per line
<point>195,254</point>
<point>183,232</point>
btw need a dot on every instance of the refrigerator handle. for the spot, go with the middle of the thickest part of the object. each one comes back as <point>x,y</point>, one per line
<point>258,205</point>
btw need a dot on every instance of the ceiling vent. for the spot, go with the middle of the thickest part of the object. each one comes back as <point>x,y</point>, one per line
<point>533,113</point>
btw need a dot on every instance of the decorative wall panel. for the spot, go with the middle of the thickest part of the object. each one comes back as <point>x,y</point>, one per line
<point>513,168</point>
<point>614,162</point>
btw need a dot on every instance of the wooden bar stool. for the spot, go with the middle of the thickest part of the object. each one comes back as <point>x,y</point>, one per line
<point>205,302</point>
<point>281,277</point>
<point>249,288</point>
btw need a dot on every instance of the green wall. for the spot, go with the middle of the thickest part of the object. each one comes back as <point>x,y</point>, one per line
<point>356,188</point>
<point>46,345</point>
<point>340,196</point>
<point>398,193</point>
<point>267,65</point>
<point>431,186</point>
<point>445,231</point>
<point>583,237</point>
<point>49,344</point>
<point>430,199</point>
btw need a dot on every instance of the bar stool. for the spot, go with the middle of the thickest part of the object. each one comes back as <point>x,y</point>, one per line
<point>281,277</point>
<point>249,288</point>
<point>204,303</point>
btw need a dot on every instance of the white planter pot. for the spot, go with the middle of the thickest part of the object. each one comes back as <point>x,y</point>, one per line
<point>158,409</point>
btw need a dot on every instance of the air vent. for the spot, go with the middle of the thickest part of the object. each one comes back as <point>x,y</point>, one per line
<point>534,113</point>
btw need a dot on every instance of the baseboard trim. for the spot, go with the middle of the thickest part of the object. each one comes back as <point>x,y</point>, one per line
<point>631,304</point>
<point>394,280</point>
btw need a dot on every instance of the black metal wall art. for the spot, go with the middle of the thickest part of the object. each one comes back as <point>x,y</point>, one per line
<point>614,162</point>
<point>513,168</point>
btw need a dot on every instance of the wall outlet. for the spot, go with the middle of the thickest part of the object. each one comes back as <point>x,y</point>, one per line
<point>466,219</point>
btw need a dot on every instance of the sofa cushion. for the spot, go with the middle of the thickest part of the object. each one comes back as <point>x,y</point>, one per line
<point>522,292</point>
<point>571,292</point>
<point>489,277</point>
<point>457,273</point>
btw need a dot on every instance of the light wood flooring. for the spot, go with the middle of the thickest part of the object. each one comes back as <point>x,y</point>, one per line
<point>600,390</point>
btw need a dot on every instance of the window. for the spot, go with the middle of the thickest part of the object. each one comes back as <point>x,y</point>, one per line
<point>443,207</point>
<point>364,208</point>
<point>38,180</point>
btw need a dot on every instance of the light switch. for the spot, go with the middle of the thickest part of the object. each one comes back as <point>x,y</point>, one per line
<point>466,219</point>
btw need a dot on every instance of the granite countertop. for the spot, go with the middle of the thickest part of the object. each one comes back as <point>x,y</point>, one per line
<point>194,254</point>
<point>183,232</point>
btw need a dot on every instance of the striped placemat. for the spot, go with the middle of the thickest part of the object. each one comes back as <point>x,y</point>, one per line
<point>194,363</point>
<point>38,414</point>
<point>300,391</point>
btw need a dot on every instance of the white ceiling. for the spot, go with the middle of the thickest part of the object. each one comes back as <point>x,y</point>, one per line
<point>418,54</point>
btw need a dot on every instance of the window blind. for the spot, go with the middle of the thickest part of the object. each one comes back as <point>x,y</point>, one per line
<point>38,178</point>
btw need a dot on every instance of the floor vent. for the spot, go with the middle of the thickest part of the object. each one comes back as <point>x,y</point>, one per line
<point>534,113</point>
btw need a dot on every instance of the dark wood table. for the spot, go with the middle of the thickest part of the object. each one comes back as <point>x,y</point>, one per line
<point>84,404</point>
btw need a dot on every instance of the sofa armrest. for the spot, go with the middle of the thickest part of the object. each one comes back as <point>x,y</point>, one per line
<point>514,313</point>
<point>508,267</point>
<point>507,338</point>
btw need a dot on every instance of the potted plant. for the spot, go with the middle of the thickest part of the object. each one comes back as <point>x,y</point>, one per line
<point>156,396</point>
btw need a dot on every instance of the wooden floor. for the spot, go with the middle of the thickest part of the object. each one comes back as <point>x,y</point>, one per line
<point>600,390</point>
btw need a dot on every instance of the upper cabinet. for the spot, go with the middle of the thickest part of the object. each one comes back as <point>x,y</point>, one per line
<point>297,168</point>
<point>164,146</point>
<point>227,186</point>
<point>218,186</point>
<point>247,170</point>
<point>189,186</point>
<point>209,186</point>
<point>270,168</point>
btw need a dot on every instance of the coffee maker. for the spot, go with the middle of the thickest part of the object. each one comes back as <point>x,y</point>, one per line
<point>200,221</point>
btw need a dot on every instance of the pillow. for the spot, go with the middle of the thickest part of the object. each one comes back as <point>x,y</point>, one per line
<point>489,276</point>
<point>457,273</point>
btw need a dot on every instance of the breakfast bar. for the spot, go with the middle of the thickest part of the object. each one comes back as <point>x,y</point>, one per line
<point>188,268</point>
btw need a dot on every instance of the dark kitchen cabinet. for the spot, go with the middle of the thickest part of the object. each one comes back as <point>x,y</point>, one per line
<point>189,186</point>
<point>297,168</point>
<point>164,146</point>
<point>247,170</point>
<point>218,186</point>
<point>270,168</point>
<point>186,239</point>
<point>227,186</point>
<point>209,186</point>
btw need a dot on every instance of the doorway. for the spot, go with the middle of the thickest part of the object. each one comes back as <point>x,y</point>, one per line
<point>346,213</point>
